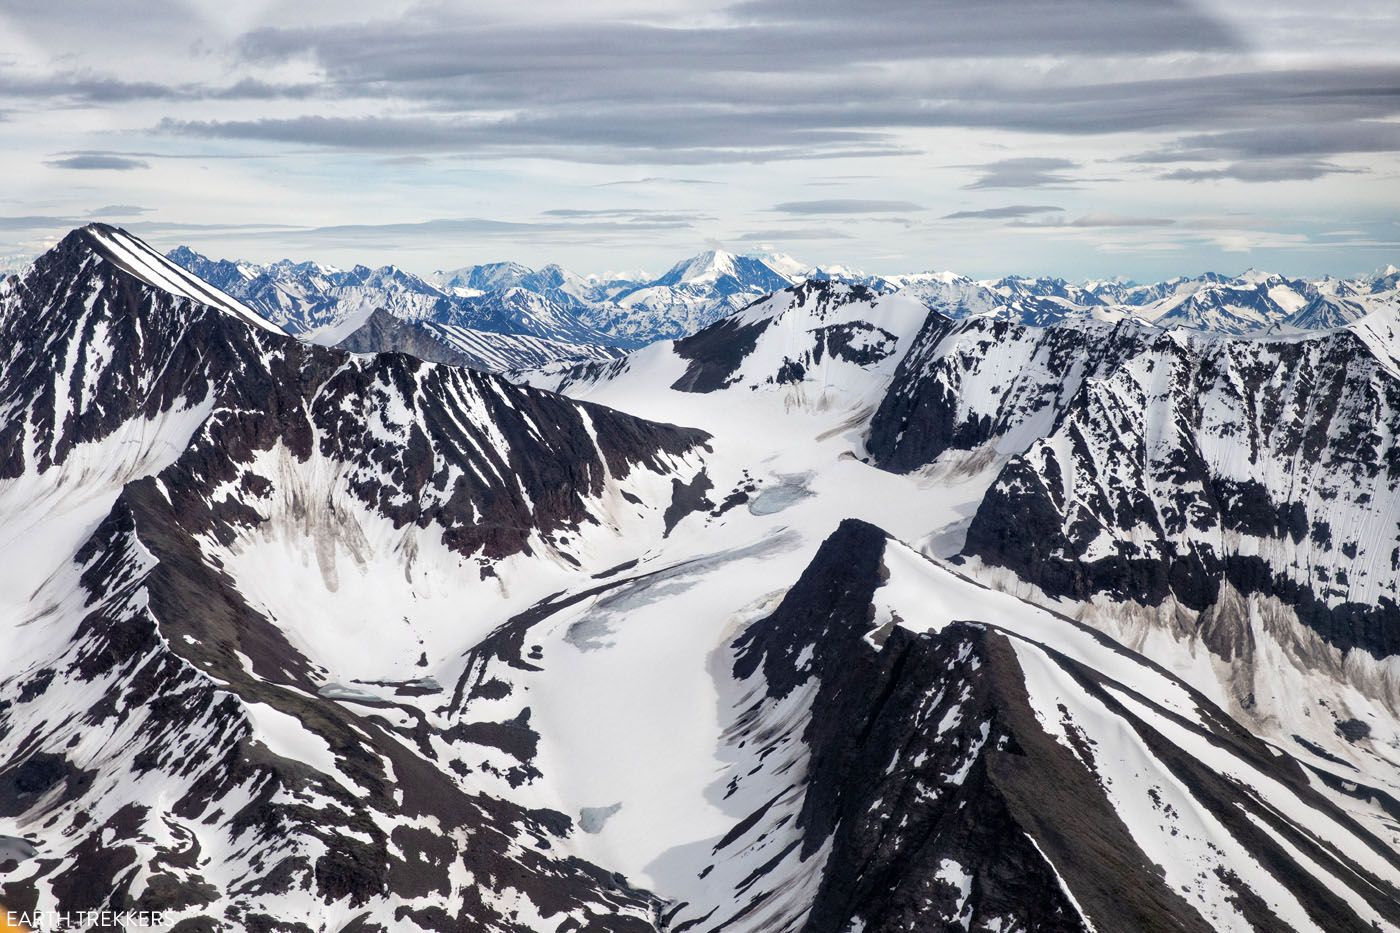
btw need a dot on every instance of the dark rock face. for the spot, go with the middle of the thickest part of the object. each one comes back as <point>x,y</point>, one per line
<point>944,801</point>
<point>1353,730</point>
<point>485,460</point>
<point>384,333</point>
<point>1159,478</point>
<point>965,383</point>
<point>857,342</point>
<point>716,353</point>
<point>893,827</point>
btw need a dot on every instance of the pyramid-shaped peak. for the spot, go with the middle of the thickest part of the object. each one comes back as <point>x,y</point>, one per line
<point>137,258</point>
<point>701,267</point>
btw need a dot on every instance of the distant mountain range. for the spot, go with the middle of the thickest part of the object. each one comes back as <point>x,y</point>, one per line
<point>566,317</point>
<point>325,304</point>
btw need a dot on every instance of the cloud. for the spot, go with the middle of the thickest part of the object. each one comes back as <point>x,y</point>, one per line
<point>1002,213</point>
<point>605,139</point>
<point>118,210</point>
<point>769,237</point>
<point>845,206</point>
<point>432,44</point>
<point>1097,220</point>
<point>1025,172</point>
<point>82,89</point>
<point>1243,241</point>
<point>692,94</point>
<point>1290,139</point>
<point>623,213</point>
<point>1265,171</point>
<point>839,83</point>
<point>466,226</point>
<point>98,162</point>
<point>655,180</point>
<point>38,222</point>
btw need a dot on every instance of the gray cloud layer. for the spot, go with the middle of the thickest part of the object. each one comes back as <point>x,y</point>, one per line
<point>1025,172</point>
<point>98,162</point>
<point>525,112</point>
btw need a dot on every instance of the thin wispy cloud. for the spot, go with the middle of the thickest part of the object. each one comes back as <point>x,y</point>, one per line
<point>1261,172</point>
<point>1025,172</point>
<point>118,210</point>
<point>98,163</point>
<point>1091,221</point>
<point>1003,213</point>
<point>846,206</point>
<point>655,180</point>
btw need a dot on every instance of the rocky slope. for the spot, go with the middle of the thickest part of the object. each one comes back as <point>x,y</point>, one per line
<point>171,737</point>
<point>485,350</point>
<point>972,762</point>
<point>1269,466</point>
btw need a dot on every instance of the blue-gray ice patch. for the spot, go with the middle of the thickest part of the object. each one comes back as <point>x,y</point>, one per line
<point>790,490</point>
<point>592,819</point>
<point>17,849</point>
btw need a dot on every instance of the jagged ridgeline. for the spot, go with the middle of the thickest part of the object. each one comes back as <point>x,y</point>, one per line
<point>843,605</point>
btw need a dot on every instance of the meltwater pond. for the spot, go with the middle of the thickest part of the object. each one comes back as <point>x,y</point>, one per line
<point>791,489</point>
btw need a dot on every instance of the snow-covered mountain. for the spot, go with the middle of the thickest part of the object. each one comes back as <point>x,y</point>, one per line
<point>1324,311</point>
<point>691,295</point>
<point>464,346</point>
<point>838,614</point>
<point>1253,302</point>
<point>1201,470</point>
<point>558,306</point>
<point>551,303</point>
<point>175,700</point>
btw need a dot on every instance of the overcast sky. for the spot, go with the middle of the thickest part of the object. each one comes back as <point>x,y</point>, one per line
<point>1084,138</point>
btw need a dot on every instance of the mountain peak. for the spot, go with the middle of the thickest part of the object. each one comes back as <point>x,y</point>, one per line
<point>134,256</point>
<point>702,267</point>
<point>781,263</point>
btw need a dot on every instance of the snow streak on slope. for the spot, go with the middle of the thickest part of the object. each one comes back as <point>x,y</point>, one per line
<point>463,346</point>
<point>505,352</point>
<point>951,724</point>
<point>146,264</point>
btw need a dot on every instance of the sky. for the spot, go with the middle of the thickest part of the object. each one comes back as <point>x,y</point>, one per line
<point>1081,138</point>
